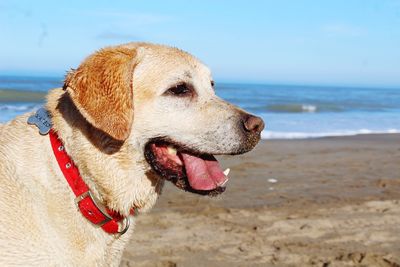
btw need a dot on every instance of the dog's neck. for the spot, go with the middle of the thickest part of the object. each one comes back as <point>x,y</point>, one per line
<point>111,168</point>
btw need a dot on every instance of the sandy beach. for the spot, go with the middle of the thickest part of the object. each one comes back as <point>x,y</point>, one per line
<point>316,202</point>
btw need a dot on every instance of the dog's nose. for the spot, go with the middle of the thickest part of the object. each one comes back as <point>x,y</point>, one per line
<point>253,124</point>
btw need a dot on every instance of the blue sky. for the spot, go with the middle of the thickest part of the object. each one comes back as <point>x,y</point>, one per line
<point>341,42</point>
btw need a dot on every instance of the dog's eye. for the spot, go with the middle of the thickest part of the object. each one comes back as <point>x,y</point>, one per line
<point>212,83</point>
<point>179,90</point>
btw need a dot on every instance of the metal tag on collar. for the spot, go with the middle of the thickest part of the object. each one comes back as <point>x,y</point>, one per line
<point>42,120</point>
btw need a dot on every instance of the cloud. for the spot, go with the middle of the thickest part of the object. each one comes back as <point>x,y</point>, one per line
<point>343,30</point>
<point>108,35</point>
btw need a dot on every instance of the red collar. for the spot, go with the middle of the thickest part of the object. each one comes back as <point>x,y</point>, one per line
<point>90,207</point>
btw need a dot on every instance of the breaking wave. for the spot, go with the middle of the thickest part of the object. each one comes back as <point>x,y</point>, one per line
<point>18,108</point>
<point>298,108</point>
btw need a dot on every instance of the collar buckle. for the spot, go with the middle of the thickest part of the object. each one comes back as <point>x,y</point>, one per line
<point>97,203</point>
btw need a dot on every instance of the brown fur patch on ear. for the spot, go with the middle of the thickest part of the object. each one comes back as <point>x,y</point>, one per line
<point>101,88</point>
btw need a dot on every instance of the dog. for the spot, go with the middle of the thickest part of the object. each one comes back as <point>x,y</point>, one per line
<point>127,119</point>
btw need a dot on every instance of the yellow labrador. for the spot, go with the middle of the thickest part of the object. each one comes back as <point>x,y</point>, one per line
<point>130,117</point>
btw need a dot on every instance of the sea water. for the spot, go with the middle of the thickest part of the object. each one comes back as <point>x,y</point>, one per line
<point>289,111</point>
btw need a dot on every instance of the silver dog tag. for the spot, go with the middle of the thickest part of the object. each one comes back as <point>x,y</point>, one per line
<point>42,120</point>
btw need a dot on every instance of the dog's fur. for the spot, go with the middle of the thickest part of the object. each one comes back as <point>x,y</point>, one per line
<point>109,108</point>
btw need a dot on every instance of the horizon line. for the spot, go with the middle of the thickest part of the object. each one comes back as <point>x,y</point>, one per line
<point>227,81</point>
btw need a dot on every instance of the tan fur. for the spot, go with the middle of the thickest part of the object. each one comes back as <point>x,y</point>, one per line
<point>112,105</point>
<point>104,80</point>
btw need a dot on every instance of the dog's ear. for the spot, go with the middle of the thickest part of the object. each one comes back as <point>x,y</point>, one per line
<point>101,89</point>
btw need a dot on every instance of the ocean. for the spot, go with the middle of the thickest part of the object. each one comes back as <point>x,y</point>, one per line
<point>290,111</point>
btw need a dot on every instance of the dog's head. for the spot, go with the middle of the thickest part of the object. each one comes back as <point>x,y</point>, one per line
<point>161,101</point>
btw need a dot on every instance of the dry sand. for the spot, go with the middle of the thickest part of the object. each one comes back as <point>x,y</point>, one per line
<point>336,202</point>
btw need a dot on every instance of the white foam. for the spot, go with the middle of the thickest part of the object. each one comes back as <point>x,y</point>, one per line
<point>303,135</point>
<point>19,108</point>
<point>308,108</point>
<point>9,111</point>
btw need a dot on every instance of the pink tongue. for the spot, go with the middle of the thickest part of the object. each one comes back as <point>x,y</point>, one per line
<point>203,174</point>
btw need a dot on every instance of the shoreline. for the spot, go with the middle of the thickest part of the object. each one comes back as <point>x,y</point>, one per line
<point>335,202</point>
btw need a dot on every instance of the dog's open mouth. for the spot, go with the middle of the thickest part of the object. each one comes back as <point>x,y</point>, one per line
<point>191,171</point>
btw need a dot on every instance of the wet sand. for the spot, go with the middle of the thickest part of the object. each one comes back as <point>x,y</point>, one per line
<point>335,202</point>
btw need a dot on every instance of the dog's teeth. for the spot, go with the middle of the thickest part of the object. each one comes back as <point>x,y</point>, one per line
<point>171,150</point>
<point>226,172</point>
<point>224,183</point>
